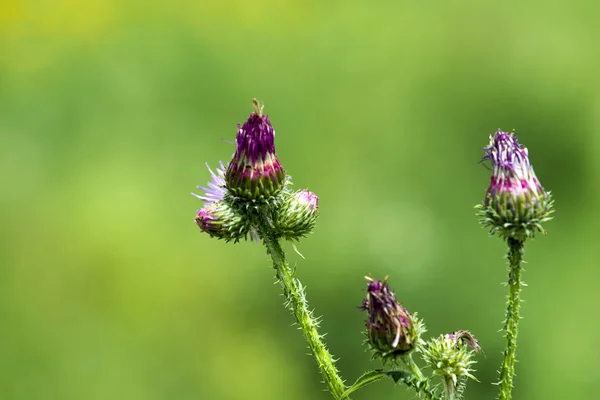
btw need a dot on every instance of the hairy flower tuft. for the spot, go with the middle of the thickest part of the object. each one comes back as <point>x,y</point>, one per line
<point>255,173</point>
<point>216,189</point>
<point>391,330</point>
<point>515,204</point>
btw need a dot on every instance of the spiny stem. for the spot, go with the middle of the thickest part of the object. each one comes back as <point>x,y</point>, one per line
<point>296,301</point>
<point>449,389</point>
<point>413,368</point>
<point>511,327</point>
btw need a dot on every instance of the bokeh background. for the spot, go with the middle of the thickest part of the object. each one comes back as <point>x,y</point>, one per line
<point>109,110</point>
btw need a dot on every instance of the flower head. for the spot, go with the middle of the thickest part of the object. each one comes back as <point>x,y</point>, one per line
<point>297,214</point>
<point>451,355</point>
<point>255,172</point>
<point>391,330</point>
<point>516,203</point>
<point>219,220</point>
<point>217,217</point>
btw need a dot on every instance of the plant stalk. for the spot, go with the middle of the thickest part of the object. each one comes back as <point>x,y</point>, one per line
<point>449,389</point>
<point>418,382</point>
<point>511,326</point>
<point>296,302</point>
<point>413,368</point>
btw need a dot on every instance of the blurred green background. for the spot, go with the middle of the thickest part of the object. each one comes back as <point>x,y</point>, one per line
<point>109,110</point>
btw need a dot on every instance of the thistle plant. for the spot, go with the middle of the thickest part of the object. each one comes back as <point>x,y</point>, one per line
<point>514,208</point>
<point>251,197</point>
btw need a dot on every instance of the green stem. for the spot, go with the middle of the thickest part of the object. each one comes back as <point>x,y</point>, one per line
<point>296,302</point>
<point>511,327</point>
<point>449,389</point>
<point>418,382</point>
<point>413,368</point>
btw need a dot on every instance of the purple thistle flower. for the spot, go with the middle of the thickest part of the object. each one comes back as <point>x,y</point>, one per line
<point>515,203</point>
<point>512,173</point>
<point>255,171</point>
<point>391,330</point>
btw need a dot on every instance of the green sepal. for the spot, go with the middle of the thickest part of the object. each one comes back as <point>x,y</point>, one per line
<point>378,345</point>
<point>519,223</point>
<point>261,189</point>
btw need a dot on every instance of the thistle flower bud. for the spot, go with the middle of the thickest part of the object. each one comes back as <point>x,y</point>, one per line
<point>217,217</point>
<point>516,204</point>
<point>391,330</point>
<point>451,355</point>
<point>220,221</point>
<point>255,173</point>
<point>297,214</point>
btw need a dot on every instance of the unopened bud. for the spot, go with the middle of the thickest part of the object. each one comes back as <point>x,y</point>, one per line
<point>516,204</point>
<point>220,221</point>
<point>255,173</point>
<point>391,330</point>
<point>451,356</point>
<point>297,214</point>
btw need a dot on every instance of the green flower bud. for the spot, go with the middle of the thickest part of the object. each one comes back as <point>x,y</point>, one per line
<point>451,356</point>
<point>297,214</point>
<point>220,221</point>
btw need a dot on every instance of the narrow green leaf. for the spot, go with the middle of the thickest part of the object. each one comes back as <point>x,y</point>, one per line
<point>374,376</point>
<point>364,380</point>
